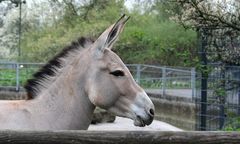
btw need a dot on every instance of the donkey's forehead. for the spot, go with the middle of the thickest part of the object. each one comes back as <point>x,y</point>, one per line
<point>111,57</point>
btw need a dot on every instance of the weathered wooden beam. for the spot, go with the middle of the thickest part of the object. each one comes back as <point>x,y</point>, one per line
<point>118,137</point>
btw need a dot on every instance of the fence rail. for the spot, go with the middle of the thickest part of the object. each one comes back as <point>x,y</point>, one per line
<point>161,78</point>
<point>118,137</point>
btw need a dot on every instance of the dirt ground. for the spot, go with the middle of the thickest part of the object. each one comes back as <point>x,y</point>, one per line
<point>127,124</point>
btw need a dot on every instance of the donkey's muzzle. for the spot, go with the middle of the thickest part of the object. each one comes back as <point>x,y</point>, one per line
<point>144,110</point>
<point>144,120</point>
<point>150,118</point>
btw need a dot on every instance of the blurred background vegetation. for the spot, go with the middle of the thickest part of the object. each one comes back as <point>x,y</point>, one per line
<point>150,36</point>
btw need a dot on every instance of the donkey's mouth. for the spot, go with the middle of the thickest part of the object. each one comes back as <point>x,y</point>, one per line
<point>142,121</point>
<point>139,122</point>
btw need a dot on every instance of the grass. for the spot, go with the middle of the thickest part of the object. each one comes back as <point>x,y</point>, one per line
<point>8,76</point>
<point>168,84</point>
<point>233,124</point>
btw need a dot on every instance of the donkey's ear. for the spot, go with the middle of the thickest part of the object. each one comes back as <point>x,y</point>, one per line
<point>110,35</point>
<point>115,31</point>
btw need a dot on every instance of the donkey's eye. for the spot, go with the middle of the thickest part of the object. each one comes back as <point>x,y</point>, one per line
<point>117,73</point>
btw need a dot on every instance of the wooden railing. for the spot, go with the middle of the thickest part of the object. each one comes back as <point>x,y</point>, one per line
<point>118,137</point>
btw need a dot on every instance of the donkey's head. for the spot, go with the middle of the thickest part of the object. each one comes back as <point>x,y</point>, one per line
<point>111,86</point>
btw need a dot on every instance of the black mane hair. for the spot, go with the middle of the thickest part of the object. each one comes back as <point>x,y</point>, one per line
<point>52,66</point>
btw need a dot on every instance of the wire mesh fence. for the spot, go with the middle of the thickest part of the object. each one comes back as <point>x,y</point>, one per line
<point>14,75</point>
<point>163,80</point>
<point>166,80</point>
<point>218,92</point>
<point>222,110</point>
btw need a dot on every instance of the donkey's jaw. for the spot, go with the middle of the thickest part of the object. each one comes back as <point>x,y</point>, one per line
<point>143,110</point>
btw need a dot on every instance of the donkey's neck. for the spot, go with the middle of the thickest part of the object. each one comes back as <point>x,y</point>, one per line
<point>66,101</point>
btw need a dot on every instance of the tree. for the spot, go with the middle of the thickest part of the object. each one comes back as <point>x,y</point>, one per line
<point>74,20</point>
<point>220,20</point>
<point>156,39</point>
<point>208,13</point>
<point>148,37</point>
<point>8,29</point>
<point>34,16</point>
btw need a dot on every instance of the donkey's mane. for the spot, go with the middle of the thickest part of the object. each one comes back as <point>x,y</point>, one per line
<point>53,66</point>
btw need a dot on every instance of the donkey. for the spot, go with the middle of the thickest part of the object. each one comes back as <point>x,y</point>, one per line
<point>64,93</point>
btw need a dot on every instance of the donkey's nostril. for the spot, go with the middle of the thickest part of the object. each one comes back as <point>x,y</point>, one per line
<point>151,112</point>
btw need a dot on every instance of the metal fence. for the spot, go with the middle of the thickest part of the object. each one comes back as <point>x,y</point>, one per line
<point>165,80</point>
<point>221,108</point>
<point>218,92</point>
<point>162,80</point>
<point>14,75</point>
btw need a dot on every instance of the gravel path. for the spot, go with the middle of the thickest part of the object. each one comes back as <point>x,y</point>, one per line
<point>127,124</point>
